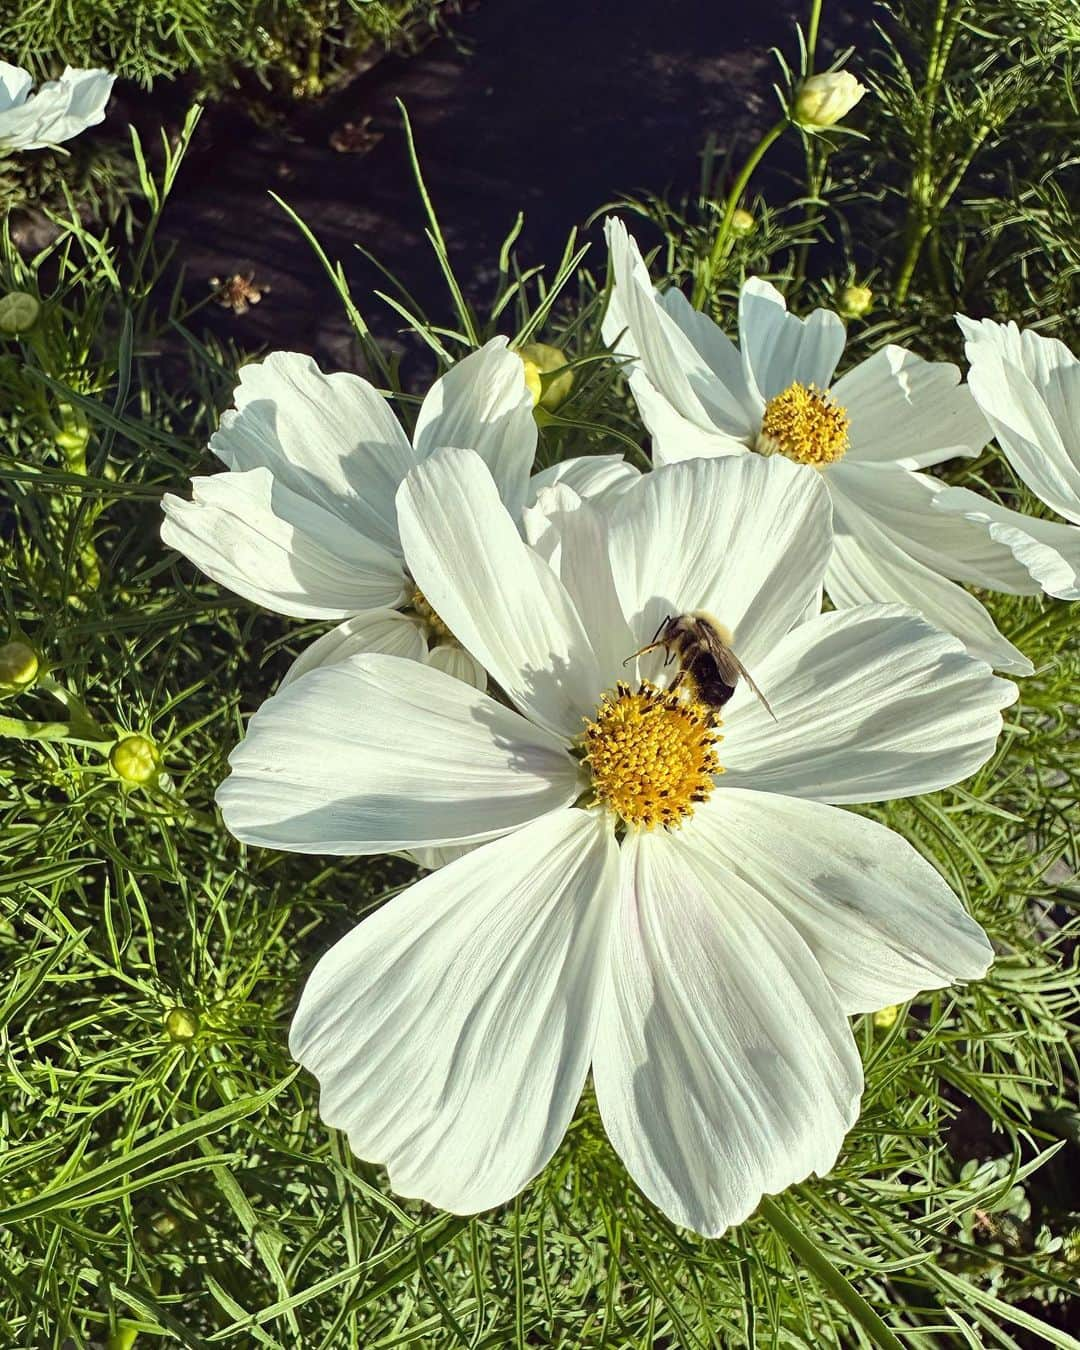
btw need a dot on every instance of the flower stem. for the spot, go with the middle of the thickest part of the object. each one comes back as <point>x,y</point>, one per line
<point>703,285</point>
<point>819,1265</point>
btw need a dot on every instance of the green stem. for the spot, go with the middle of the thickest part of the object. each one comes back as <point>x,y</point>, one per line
<point>815,1260</point>
<point>812,26</point>
<point>705,277</point>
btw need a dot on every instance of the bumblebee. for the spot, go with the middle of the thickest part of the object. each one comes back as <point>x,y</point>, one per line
<point>702,646</point>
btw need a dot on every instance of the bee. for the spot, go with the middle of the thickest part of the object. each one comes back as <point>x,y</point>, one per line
<point>702,646</point>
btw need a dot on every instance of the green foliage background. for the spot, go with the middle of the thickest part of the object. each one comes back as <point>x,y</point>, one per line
<point>164,1177</point>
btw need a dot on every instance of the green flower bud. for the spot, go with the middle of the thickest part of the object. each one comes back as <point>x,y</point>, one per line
<point>19,312</point>
<point>822,100</point>
<point>18,666</point>
<point>123,1338</point>
<point>885,1018</point>
<point>742,222</point>
<point>855,301</point>
<point>541,359</point>
<point>181,1024</point>
<point>135,759</point>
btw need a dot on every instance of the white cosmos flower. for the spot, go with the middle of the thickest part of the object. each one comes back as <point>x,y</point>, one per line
<point>305,523</point>
<point>867,435</point>
<point>1029,388</point>
<point>58,111</point>
<point>705,973</point>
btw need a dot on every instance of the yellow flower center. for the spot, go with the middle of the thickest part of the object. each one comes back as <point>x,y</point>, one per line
<point>651,756</point>
<point>806,424</point>
<point>423,610</point>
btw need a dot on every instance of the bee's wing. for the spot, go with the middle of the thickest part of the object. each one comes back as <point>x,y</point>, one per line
<point>731,668</point>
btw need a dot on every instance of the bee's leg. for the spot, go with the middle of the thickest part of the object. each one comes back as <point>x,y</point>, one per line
<point>677,681</point>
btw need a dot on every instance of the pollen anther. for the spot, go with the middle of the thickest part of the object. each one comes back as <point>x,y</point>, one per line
<point>806,424</point>
<point>651,753</point>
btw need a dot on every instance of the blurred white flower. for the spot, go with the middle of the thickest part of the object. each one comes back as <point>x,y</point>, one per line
<point>58,111</point>
<point>822,100</point>
<point>703,971</point>
<point>1029,388</point>
<point>304,523</point>
<point>867,435</point>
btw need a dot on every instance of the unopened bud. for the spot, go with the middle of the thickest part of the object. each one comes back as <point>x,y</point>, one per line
<point>885,1018</point>
<point>135,759</point>
<point>19,311</point>
<point>822,100</point>
<point>181,1024</point>
<point>123,1338</point>
<point>855,301</point>
<point>18,666</point>
<point>742,222</point>
<point>543,359</point>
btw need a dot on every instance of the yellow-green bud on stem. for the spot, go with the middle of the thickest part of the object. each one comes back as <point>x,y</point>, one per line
<point>123,1338</point>
<point>19,312</point>
<point>540,359</point>
<point>181,1024</point>
<point>855,301</point>
<point>885,1018</point>
<point>18,666</point>
<point>135,759</point>
<point>742,222</point>
<point>822,100</point>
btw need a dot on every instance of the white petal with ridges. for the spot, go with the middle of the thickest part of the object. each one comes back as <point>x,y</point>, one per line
<point>251,533</point>
<point>779,349</point>
<point>501,601</point>
<point>451,1032</point>
<point>376,630</point>
<point>596,478</point>
<point>880,921</point>
<point>1048,550</point>
<point>870,703</point>
<point>724,1066</point>
<point>330,438</point>
<point>376,754</point>
<point>745,538</point>
<point>483,403</point>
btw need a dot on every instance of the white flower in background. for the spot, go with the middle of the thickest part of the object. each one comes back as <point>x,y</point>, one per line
<point>822,100</point>
<point>1029,388</point>
<point>705,972</point>
<point>304,523</point>
<point>58,111</point>
<point>866,435</point>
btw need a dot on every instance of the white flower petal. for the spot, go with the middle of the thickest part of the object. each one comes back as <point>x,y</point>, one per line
<point>880,921</point>
<point>500,600</point>
<point>451,1032</point>
<point>640,325</point>
<point>909,412</point>
<point>330,438</point>
<point>871,703</point>
<point>572,537</point>
<point>14,86</point>
<point>744,537</point>
<point>778,348</point>
<point>907,506</point>
<point>484,404</point>
<point>283,551</point>
<point>674,438</point>
<point>457,662</point>
<point>724,1066</point>
<point>1029,388</point>
<point>1049,551</point>
<point>431,859</point>
<point>868,566</point>
<point>376,630</point>
<point>58,111</point>
<point>376,754</point>
<point>596,478</point>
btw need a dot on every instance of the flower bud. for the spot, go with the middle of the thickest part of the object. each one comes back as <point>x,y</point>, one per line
<point>543,359</point>
<point>742,222</point>
<point>822,100</point>
<point>18,666</point>
<point>855,301</point>
<point>135,759</point>
<point>885,1018</point>
<point>19,311</point>
<point>181,1024</point>
<point>123,1338</point>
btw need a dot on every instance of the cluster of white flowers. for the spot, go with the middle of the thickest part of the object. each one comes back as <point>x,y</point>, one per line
<point>58,111</point>
<point>630,876</point>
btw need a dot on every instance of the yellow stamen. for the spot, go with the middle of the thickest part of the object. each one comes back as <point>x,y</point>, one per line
<point>650,753</point>
<point>423,610</point>
<point>806,424</point>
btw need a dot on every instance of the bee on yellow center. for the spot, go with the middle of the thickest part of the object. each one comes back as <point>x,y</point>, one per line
<point>806,424</point>
<point>651,754</point>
